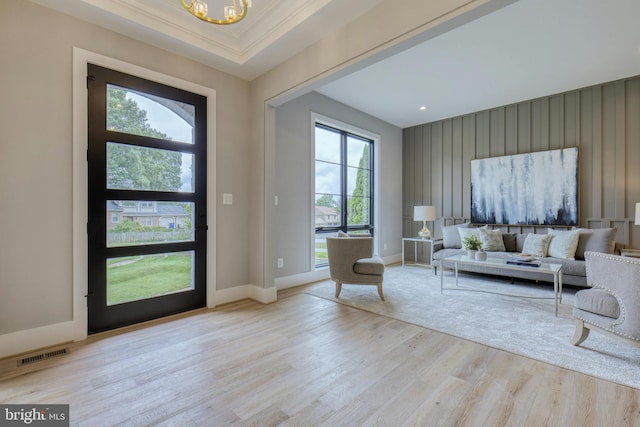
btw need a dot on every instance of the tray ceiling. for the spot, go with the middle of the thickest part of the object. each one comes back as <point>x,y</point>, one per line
<point>272,31</point>
<point>526,49</point>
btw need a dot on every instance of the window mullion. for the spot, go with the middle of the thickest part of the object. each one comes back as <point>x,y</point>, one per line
<point>343,169</point>
<point>371,188</point>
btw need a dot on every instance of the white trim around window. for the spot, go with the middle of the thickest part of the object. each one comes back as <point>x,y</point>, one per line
<point>319,118</point>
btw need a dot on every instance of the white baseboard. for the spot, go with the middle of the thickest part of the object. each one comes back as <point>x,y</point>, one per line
<point>392,259</point>
<point>320,274</point>
<point>50,335</point>
<point>263,295</point>
<point>302,278</point>
<point>237,293</point>
<point>47,336</point>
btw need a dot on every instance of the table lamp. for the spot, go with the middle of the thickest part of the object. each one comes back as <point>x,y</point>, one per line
<point>424,214</point>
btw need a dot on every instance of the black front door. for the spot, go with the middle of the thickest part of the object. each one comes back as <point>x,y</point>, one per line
<point>147,199</point>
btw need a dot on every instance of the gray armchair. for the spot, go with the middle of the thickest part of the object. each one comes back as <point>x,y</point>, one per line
<point>612,305</point>
<point>351,261</point>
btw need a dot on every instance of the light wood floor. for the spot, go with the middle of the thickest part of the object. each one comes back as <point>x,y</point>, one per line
<point>306,361</point>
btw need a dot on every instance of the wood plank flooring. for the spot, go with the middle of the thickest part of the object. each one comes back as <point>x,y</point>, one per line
<point>306,361</point>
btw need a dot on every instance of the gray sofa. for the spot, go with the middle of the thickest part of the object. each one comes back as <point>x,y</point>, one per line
<point>573,271</point>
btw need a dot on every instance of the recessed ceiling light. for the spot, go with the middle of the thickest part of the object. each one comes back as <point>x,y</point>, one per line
<point>423,108</point>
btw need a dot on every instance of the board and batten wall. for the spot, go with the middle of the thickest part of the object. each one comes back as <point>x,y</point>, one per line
<point>603,121</point>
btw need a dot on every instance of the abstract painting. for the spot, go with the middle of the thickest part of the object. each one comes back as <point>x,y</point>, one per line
<point>535,188</point>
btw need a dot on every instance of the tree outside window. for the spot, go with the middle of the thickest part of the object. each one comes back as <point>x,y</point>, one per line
<point>344,185</point>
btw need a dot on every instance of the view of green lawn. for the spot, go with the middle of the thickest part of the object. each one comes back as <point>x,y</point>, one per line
<point>321,251</point>
<point>134,278</point>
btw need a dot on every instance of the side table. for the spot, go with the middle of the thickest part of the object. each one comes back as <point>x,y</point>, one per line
<point>416,240</point>
<point>634,253</point>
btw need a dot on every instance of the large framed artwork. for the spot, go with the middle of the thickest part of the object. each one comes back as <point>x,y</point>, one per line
<point>535,188</point>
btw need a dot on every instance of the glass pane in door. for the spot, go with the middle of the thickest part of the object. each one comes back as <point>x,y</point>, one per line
<point>139,113</point>
<point>134,278</point>
<point>144,222</point>
<point>131,167</point>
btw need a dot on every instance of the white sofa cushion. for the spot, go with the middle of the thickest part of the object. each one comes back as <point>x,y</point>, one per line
<point>563,243</point>
<point>451,237</point>
<point>536,244</point>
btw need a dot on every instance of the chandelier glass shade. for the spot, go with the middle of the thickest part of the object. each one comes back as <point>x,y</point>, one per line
<point>232,14</point>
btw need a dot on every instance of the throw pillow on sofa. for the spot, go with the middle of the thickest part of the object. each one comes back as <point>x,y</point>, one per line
<point>468,232</point>
<point>451,237</point>
<point>563,244</point>
<point>596,240</point>
<point>509,240</point>
<point>491,240</point>
<point>537,244</point>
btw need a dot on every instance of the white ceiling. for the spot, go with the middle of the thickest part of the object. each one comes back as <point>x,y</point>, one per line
<point>528,49</point>
<point>272,31</point>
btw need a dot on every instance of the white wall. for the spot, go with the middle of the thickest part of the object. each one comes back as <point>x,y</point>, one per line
<point>294,180</point>
<point>36,185</point>
<point>392,26</point>
<point>36,211</point>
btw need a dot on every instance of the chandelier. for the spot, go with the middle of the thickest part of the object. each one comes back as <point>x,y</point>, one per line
<point>232,14</point>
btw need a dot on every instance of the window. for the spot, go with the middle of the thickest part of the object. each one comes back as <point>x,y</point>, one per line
<point>343,185</point>
<point>114,217</point>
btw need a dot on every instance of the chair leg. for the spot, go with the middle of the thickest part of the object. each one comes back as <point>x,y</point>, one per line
<point>581,332</point>
<point>338,288</point>
<point>380,291</point>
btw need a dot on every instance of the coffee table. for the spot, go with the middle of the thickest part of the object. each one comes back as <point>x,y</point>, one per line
<point>554,270</point>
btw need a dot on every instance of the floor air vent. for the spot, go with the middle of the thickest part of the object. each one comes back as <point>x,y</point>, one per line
<point>42,356</point>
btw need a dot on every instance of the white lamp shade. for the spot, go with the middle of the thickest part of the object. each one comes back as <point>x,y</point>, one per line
<point>424,213</point>
<point>637,213</point>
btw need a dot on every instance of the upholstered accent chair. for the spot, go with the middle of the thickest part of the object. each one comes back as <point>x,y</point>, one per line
<point>351,261</point>
<point>612,305</point>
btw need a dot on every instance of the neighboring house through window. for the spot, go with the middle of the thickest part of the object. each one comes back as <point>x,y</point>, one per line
<point>170,215</point>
